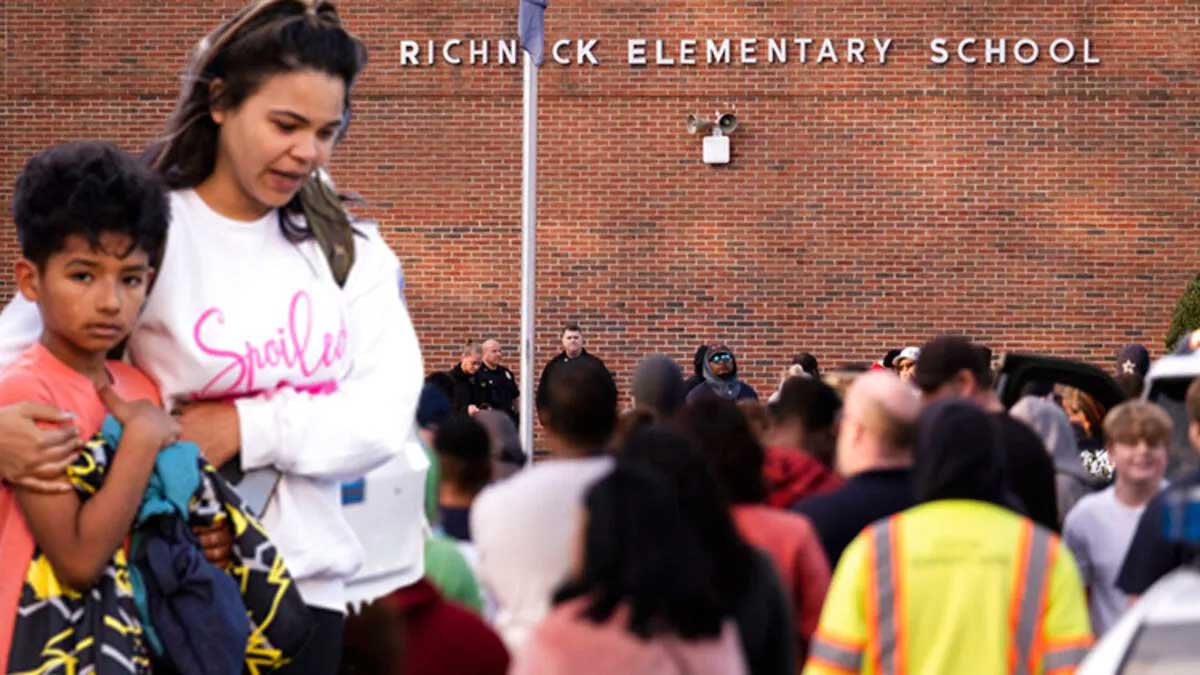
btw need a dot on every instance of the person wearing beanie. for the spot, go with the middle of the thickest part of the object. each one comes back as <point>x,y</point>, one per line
<point>658,386</point>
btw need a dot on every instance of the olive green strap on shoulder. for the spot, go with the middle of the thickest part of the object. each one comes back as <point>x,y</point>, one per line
<point>330,225</point>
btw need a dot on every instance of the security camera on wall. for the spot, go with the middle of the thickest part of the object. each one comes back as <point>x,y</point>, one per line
<point>716,146</point>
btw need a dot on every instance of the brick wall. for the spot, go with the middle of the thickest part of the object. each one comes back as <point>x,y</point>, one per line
<point>1047,207</point>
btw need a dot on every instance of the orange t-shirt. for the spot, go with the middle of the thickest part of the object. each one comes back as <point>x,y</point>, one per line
<point>38,376</point>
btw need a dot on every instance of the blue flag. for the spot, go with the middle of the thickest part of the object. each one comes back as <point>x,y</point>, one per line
<point>531,30</point>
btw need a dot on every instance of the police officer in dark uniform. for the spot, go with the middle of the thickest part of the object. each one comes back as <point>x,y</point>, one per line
<point>466,396</point>
<point>497,386</point>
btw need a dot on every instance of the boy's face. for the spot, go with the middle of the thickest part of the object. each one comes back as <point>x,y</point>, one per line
<point>1139,461</point>
<point>88,297</point>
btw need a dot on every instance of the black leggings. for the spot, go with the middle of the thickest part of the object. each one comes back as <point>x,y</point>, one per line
<point>323,653</point>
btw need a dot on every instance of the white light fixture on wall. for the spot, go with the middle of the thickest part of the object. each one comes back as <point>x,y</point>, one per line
<point>716,146</point>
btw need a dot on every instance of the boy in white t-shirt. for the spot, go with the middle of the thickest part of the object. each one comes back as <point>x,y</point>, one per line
<point>1100,527</point>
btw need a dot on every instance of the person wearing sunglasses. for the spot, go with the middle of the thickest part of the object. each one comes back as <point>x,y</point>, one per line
<point>721,378</point>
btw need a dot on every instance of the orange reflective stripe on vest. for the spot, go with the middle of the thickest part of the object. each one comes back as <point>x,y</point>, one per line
<point>885,601</point>
<point>1029,593</point>
<point>887,591</point>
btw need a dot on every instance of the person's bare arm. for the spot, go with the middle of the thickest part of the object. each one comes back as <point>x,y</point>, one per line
<point>79,538</point>
<point>32,457</point>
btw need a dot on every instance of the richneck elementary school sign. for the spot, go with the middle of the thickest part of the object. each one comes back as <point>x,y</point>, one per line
<point>639,52</point>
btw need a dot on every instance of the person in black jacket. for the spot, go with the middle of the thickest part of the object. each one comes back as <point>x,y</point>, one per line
<point>697,369</point>
<point>951,366</point>
<point>466,396</point>
<point>572,350</point>
<point>497,386</point>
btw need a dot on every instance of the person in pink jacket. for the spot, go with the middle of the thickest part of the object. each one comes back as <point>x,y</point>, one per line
<point>642,602</point>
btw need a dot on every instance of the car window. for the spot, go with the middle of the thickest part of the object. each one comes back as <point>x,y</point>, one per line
<point>1164,649</point>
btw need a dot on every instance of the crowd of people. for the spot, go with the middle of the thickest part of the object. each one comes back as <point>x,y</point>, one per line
<point>901,521</point>
<point>889,518</point>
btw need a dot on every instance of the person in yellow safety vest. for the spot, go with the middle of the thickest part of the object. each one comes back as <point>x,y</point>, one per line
<point>958,583</point>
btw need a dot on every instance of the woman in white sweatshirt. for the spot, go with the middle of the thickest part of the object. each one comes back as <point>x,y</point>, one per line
<point>275,327</point>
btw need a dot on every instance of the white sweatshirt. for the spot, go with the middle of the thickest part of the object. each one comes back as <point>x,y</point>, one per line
<point>326,379</point>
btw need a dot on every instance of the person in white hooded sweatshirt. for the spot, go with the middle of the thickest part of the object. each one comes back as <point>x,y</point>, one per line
<point>276,328</point>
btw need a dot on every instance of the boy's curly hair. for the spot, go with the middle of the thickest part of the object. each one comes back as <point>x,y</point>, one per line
<point>88,188</point>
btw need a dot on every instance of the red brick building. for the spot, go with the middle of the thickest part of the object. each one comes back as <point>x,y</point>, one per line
<point>1035,207</point>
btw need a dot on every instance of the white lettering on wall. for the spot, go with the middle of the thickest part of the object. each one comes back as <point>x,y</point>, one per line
<point>687,52</point>
<point>637,52</point>
<point>882,46</point>
<point>507,52</point>
<point>584,52</point>
<point>851,51</point>
<point>718,52</point>
<point>749,47</point>
<point>777,51</point>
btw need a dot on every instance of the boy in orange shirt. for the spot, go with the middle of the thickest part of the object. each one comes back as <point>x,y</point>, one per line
<point>90,221</point>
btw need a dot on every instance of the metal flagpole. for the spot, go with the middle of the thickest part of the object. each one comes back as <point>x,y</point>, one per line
<point>530,27</point>
<point>528,253</point>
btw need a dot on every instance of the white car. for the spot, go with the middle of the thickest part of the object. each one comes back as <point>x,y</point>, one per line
<point>1166,385</point>
<point>1160,635</point>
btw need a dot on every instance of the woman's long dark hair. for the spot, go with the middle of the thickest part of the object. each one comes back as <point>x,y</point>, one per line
<point>641,553</point>
<point>726,556</point>
<point>265,38</point>
<point>723,436</point>
<point>958,455</point>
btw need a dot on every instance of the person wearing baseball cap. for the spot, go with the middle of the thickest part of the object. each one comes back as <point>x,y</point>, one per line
<point>1133,362</point>
<point>1133,359</point>
<point>905,363</point>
